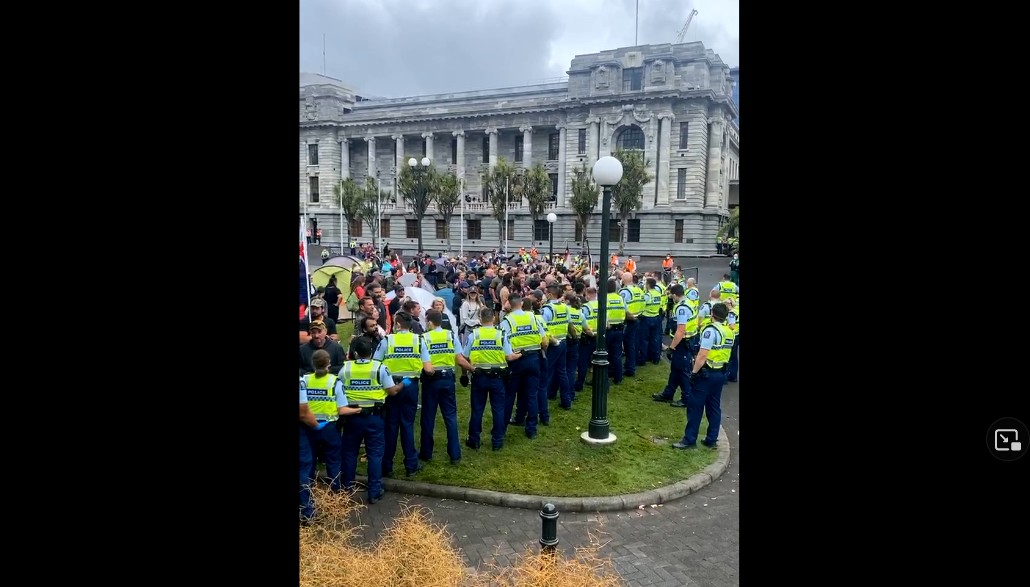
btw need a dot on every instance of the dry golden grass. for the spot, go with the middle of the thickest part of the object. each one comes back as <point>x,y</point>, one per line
<point>414,552</point>
<point>536,569</point>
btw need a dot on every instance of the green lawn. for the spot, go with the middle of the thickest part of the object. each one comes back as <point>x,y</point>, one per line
<point>557,462</point>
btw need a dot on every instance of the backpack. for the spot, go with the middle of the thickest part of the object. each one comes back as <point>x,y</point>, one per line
<point>352,302</point>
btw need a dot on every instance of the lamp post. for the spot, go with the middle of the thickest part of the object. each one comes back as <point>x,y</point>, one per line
<point>607,172</point>
<point>420,187</point>
<point>550,229</point>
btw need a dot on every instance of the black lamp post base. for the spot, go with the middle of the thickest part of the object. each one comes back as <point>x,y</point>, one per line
<point>598,432</point>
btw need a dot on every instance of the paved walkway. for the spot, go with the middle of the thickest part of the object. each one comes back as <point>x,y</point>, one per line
<point>691,541</point>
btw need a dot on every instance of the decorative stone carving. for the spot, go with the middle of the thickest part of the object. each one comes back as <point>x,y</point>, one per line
<point>427,135</point>
<point>560,126</point>
<point>658,72</point>
<point>526,128</point>
<point>458,133</point>
<point>310,108</point>
<point>602,77</point>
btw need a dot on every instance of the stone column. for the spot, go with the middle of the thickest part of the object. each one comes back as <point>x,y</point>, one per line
<point>428,137</point>
<point>460,136</point>
<point>664,157</point>
<point>344,157</point>
<point>604,140</point>
<point>593,143</point>
<point>371,172</point>
<point>561,163</point>
<point>712,190</point>
<point>527,145</point>
<point>492,133</point>
<point>398,164</point>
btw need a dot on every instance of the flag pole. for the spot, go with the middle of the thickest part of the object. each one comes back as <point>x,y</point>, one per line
<point>307,269</point>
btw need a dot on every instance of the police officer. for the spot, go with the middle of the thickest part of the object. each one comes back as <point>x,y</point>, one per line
<point>735,269</point>
<point>325,443</point>
<point>680,349</point>
<point>572,343</point>
<point>652,349</point>
<point>727,289</point>
<point>484,356</point>
<point>556,316</point>
<point>405,355</point>
<point>438,388</point>
<point>588,341</point>
<point>615,329</point>
<point>704,313</point>
<point>527,337</point>
<point>307,460</point>
<point>361,393</point>
<point>733,321</point>
<point>354,247</point>
<point>634,298</point>
<point>706,380</point>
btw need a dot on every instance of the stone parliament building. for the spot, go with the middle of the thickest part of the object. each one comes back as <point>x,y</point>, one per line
<point>673,102</point>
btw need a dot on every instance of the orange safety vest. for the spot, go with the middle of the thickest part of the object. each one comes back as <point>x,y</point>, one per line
<point>631,266</point>
<point>667,264</point>
<point>615,260</point>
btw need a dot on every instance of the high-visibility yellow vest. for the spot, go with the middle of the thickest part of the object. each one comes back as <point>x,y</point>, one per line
<point>735,312</point>
<point>719,354</point>
<point>592,315</point>
<point>361,382</point>
<point>322,396</point>
<point>403,354</point>
<point>708,317</point>
<point>692,325</point>
<point>487,348</point>
<point>662,291</point>
<point>558,327</point>
<point>636,304</point>
<point>696,301</point>
<point>616,310</point>
<point>524,334</point>
<point>653,303</point>
<point>727,290</point>
<point>441,348</point>
<point>576,321</point>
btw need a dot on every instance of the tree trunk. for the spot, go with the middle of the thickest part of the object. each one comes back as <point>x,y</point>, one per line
<point>419,222</point>
<point>501,235</point>
<point>623,218</point>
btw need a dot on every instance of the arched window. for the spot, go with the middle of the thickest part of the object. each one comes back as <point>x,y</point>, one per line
<point>630,139</point>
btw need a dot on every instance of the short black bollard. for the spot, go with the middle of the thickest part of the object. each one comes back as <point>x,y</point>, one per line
<point>549,529</point>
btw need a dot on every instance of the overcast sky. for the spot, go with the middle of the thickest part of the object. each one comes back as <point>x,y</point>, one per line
<point>396,48</point>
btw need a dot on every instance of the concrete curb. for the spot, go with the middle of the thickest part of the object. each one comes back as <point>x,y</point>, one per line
<point>608,503</point>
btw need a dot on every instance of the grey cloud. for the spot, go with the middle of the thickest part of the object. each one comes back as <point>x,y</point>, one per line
<point>402,49</point>
<point>399,48</point>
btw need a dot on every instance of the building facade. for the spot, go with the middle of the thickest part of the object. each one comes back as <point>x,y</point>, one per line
<point>673,102</point>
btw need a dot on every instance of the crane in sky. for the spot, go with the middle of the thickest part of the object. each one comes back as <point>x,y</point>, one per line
<point>683,31</point>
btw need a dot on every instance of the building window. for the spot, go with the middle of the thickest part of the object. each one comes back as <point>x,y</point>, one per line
<point>486,148</point>
<point>681,184</point>
<point>554,185</point>
<point>424,147</point>
<point>684,127</point>
<point>579,232</point>
<point>355,227</point>
<point>411,229</point>
<point>384,228</point>
<point>511,229</point>
<point>313,189</point>
<point>441,229</point>
<point>394,150</point>
<point>633,233</point>
<point>614,234</point>
<point>474,229</point>
<point>518,149</point>
<point>632,79</point>
<point>540,230</point>
<point>630,139</point>
<point>582,141</point>
<point>454,151</point>
<point>552,146</point>
<point>677,235</point>
<point>313,154</point>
